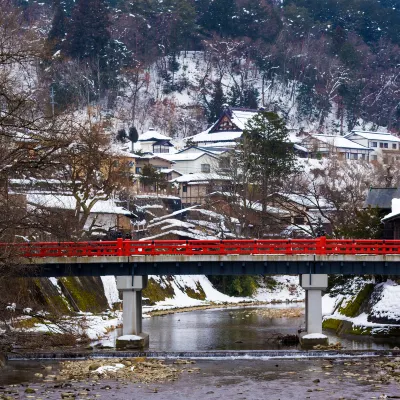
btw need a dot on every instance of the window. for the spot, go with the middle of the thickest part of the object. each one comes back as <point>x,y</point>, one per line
<point>374,158</point>
<point>374,144</point>
<point>131,164</point>
<point>386,145</point>
<point>353,156</point>
<point>205,168</point>
<point>184,189</point>
<point>362,156</point>
<point>298,220</point>
<point>394,146</point>
<point>158,148</point>
<point>381,145</point>
<point>116,163</point>
<point>138,170</point>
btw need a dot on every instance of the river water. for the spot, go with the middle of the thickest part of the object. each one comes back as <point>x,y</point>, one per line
<point>241,379</point>
<point>234,329</point>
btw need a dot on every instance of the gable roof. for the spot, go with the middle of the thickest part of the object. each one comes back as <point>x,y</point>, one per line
<point>187,156</point>
<point>152,135</point>
<point>199,177</point>
<point>237,117</point>
<point>383,136</point>
<point>337,141</point>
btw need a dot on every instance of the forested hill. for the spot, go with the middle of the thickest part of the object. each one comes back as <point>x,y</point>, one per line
<point>333,59</point>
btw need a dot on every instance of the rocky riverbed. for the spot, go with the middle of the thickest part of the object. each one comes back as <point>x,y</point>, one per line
<point>284,379</point>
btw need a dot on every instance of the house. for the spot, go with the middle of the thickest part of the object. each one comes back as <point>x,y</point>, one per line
<point>158,162</point>
<point>227,130</point>
<point>193,188</point>
<point>156,143</point>
<point>385,146</point>
<point>318,145</point>
<point>307,212</point>
<point>194,160</point>
<point>105,215</point>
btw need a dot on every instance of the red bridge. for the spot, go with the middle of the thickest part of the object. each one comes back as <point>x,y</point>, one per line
<point>169,257</point>
<point>132,261</point>
<point>126,248</point>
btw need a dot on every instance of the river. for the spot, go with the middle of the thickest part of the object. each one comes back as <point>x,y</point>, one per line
<point>234,329</point>
<point>225,329</point>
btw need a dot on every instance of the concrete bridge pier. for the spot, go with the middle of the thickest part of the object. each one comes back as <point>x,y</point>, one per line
<point>132,335</point>
<point>313,284</point>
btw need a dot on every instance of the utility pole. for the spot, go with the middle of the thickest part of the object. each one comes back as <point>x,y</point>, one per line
<point>52,102</point>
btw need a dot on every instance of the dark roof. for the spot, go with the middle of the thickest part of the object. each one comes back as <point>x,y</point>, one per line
<point>382,197</point>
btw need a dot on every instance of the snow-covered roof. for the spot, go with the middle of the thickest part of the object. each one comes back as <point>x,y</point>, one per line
<point>66,202</point>
<point>221,145</point>
<point>199,177</point>
<point>309,201</point>
<point>193,234</point>
<point>383,136</point>
<point>240,117</point>
<point>171,222</point>
<point>395,210</point>
<point>152,156</point>
<point>339,142</point>
<point>186,156</point>
<point>216,137</point>
<point>152,134</point>
<point>169,170</point>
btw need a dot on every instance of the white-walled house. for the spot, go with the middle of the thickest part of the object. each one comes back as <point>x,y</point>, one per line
<point>385,146</point>
<point>155,142</point>
<point>318,145</point>
<point>193,160</point>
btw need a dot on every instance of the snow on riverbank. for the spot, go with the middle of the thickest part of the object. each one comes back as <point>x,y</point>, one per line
<point>378,312</point>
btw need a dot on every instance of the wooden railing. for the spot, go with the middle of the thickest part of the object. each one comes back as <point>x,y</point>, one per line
<point>120,247</point>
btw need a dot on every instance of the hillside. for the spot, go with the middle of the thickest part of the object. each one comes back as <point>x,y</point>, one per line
<point>324,66</point>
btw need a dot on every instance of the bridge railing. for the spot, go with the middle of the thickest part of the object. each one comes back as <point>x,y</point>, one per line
<point>119,247</point>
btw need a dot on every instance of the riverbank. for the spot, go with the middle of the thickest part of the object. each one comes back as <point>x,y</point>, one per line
<point>176,310</point>
<point>373,378</point>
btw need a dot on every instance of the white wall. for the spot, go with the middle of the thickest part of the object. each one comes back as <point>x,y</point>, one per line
<point>194,166</point>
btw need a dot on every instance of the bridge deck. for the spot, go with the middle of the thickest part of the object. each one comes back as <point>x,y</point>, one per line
<point>209,257</point>
<point>215,265</point>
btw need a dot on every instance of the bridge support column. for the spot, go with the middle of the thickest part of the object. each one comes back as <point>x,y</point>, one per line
<point>313,284</point>
<point>132,335</point>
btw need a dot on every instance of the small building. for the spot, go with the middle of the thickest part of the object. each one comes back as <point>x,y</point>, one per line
<point>193,188</point>
<point>158,162</point>
<point>105,215</point>
<point>194,160</point>
<point>227,130</point>
<point>156,143</point>
<point>318,145</point>
<point>385,146</point>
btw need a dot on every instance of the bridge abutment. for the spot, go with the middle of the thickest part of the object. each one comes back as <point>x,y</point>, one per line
<point>313,284</point>
<point>132,335</point>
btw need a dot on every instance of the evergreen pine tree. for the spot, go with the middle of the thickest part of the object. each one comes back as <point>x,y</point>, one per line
<point>266,156</point>
<point>216,104</point>
<point>58,29</point>
<point>88,35</point>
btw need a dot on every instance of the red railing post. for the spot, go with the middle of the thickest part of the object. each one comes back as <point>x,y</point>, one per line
<point>321,245</point>
<point>120,244</point>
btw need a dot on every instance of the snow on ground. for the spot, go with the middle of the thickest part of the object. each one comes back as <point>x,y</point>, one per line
<point>110,289</point>
<point>287,289</point>
<point>388,304</point>
<point>328,304</point>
